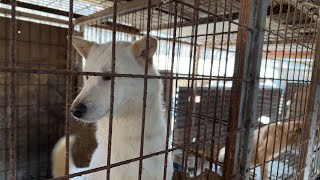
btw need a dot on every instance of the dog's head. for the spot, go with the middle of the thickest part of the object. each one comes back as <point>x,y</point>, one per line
<point>93,102</point>
<point>295,132</point>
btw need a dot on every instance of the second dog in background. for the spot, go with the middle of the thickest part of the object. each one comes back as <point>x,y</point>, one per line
<point>270,141</point>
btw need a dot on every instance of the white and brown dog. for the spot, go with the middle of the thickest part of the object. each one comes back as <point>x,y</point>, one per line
<point>93,104</point>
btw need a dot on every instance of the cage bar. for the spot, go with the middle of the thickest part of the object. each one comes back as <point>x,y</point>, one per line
<point>12,95</point>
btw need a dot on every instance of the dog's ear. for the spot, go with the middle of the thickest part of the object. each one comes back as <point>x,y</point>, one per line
<point>82,46</point>
<point>296,128</point>
<point>139,48</point>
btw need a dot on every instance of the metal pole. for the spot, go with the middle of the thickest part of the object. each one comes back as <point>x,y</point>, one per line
<point>68,86</point>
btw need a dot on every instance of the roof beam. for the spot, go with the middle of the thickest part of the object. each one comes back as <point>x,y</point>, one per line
<point>206,20</point>
<point>295,41</point>
<point>221,18</point>
<point>41,8</point>
<point>33,16</point>
<point>120,27</point>
<point>121,8</point>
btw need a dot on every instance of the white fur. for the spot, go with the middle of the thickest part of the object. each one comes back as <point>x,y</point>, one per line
<point>127,115</point>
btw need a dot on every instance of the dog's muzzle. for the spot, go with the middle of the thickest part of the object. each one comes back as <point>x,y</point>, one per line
<point>79,110</point>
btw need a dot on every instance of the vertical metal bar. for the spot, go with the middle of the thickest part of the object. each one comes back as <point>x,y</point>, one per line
<point>191,75</point>
<point>176,87</point>
<point>38,111</point>
<point>215,95</point>
<point>312,110</point>
<point>170,90</point>
<point>68,85</point>
<point>223,94</point>
<point>145,88</point>
<point>12,114</point>
<point>48,148</point>
<point>113,66</point>
<point>242,110</point>
<point>28,109</point>
<point>6,103</point>
<point>193,63</point>
<point>194,94</point>
<point>203,144</point>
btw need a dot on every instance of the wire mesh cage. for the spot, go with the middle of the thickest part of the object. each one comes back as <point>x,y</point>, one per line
<point>154,89</point>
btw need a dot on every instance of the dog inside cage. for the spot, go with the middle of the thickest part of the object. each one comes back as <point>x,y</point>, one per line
<point>159,89</point>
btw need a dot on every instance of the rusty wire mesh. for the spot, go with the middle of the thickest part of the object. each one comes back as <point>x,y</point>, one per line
<point>223,87</point>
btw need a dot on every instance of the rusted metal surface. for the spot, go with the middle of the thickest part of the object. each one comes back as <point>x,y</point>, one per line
<point>191,94</point>
<point>12,110</point>
<point>113,67</point>
<point>145,88</point>
<point>70,63</point>
<point>170,91</point>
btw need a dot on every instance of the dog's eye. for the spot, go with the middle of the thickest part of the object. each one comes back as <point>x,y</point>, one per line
<point>106,77</point>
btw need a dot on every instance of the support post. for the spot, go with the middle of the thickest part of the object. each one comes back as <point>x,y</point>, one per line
<point>310,124</point>
<point>242,110</point>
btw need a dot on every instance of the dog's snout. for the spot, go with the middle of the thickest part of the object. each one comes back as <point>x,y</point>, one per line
<point>79,110</point>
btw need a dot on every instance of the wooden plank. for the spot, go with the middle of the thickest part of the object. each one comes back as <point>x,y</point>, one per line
<point>44,90</point>
<point>34,16</point>
<point>258,9</point>
<point>242,109</point>
<point>121,8</point>
<point>310,124</point>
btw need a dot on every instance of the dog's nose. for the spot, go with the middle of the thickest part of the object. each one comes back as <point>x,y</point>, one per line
<point>79,110</point>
